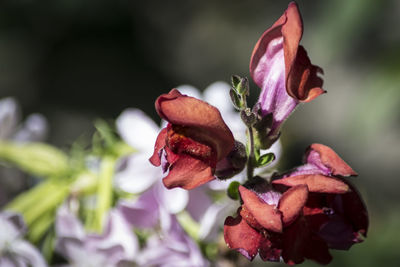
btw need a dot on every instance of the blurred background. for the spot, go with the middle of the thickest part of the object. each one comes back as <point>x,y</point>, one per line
<point>78,60</point>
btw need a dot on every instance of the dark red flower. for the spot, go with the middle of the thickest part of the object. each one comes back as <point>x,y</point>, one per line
<point>302,215</point>
<point>194,141</point>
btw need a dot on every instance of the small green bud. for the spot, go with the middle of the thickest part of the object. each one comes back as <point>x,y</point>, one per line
<point>236,99</point>
<point>265,159</point>
<point>233,190</point>
<point>235,79</point>
<point>240,84</point>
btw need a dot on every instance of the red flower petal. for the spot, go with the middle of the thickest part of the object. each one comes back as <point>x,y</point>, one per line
<point>292,203</point>
<point>332,160</point>
<point>160,144</point>
<point>241,237</point>
<point>266,215</point>
<point>355,210</point>
<point>203,121</point>
<point>271,247</point>
<point>299,243</point>
<point>188,172</point>
<point>316,183</point>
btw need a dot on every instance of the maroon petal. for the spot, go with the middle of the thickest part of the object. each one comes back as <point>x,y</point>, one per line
<point>266,215</point>
<point>355,210</point>
<point>299,243</point>
<point>188,172</point>
<point>316,183</point>
<point>270,248</point>
<point>332,160</point>
<point>160,144</point>
<point>292,203</point>
<point>241,237</point>
<point>202,121</point>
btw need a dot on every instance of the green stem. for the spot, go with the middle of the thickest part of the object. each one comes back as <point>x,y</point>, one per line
<point>250,162</point>
<point>104,191</point>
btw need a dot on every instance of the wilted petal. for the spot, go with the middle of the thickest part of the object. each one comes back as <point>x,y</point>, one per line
<point>316,183</point>
<point>188,173</point>
<point>266,215</point>
<point>137,129</point>
<point>241,237</point>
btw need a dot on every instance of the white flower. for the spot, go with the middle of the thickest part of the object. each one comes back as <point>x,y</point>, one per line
<point>34,128</point>
<point>14,250</point>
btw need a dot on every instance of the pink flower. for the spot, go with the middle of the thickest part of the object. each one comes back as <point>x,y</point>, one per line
<point>194,141</point>
<point>282,69</point>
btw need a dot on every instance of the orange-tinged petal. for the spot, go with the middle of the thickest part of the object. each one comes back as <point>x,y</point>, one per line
<point>160,144</point>
<point>292,203</point>
<point>316,183</point>
<point>241,237</point>
<point>266,215</point>
<point>202,121</point>
<point>188,172</point>
<point>332,160</point>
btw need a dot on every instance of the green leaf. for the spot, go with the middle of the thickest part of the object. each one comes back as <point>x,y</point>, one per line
<point>265,159</point>
<point>233,190</point>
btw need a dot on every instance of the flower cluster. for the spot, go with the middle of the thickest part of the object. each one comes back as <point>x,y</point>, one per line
<point>292,216</point>
<point>104,204</point>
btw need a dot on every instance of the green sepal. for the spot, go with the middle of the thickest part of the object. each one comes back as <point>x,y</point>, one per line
<point>240,84</point>
<point>265,159</point>
<point>233,190</point>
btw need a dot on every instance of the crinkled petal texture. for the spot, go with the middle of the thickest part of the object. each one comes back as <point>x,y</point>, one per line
<point>195,139</point>
<point>282,69</point>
